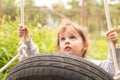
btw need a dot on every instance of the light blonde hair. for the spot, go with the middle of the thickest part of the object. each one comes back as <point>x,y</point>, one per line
<point>78,28</point>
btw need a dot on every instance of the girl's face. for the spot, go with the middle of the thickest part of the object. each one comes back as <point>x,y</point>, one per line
<point>71,42</point>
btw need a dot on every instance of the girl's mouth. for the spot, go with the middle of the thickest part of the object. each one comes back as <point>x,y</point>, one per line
<point>67,48</point>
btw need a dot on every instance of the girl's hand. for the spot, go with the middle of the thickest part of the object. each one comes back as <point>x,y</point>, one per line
<point>23,33</point>
<point>112,36</point>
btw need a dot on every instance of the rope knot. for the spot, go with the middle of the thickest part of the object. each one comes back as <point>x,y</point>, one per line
<point>22,51</point>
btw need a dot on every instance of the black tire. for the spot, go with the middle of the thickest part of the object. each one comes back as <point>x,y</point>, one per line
<point>57,67</point>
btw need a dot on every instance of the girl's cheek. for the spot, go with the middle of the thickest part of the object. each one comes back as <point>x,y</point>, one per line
<point>61,46</point>
<point>61,42</point>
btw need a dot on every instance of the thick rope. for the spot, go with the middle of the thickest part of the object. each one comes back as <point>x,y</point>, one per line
<point>22,49</point>
<point>111,45</point>
<point>22,12</point>
<point>9,63</point>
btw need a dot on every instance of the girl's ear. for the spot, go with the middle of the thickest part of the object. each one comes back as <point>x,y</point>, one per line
<point>85,47</point>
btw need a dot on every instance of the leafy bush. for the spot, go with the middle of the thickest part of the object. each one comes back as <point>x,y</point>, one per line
<point>8,43</point>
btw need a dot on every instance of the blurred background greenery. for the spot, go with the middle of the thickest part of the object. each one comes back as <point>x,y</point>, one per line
<point>43,22</point>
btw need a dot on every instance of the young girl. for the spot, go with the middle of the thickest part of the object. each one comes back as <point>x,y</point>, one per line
<point>71,40</point>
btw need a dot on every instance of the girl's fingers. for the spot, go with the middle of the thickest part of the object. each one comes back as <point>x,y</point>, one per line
<point>114,39</point>
<point>22,27</point>
<point>110,31</point>
<point>112,36</point>
<point>22,32</point>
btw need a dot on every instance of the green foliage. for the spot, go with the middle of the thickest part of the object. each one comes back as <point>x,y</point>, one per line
<point>8,43</point>
<point>44,38</point>
<point>8,3</point>
<point>98,49</point>
<point>12,3</point>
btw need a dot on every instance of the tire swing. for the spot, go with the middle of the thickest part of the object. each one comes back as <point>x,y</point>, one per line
<point>55,66</point>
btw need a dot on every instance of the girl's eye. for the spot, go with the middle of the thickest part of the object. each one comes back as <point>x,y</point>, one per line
<point>62,39</point>
<point>73,37</point>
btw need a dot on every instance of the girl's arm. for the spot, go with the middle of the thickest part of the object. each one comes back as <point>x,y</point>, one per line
<point>31,48</point>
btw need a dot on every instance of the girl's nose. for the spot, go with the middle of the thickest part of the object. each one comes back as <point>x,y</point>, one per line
<point>67,41</point>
